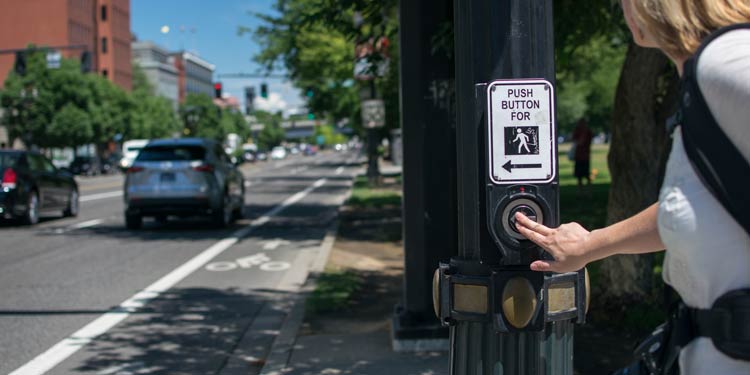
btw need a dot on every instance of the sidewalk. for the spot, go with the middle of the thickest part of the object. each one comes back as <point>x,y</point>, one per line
<point>355,341</point>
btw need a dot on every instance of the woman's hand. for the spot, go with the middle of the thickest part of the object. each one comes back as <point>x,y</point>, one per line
<point>567,244</point>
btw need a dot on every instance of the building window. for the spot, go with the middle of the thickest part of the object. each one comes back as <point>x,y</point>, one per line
<point>105,73</point>
<point>104,12</point>
<point>104,44</point>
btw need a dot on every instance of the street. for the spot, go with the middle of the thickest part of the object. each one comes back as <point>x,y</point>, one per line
<point>85,295</point>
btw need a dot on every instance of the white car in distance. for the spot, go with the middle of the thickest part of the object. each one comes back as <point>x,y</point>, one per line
<point>278,153</point>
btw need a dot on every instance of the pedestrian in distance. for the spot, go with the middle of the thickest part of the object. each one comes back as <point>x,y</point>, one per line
<point>582,136</point>
<point>707,244</point>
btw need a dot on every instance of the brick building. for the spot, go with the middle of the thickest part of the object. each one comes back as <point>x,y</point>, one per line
<point>103,26</point>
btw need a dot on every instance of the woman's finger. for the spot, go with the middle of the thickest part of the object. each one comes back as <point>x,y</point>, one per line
<point>543,266</point>
<point>533,236</point>
<point>532,225</point>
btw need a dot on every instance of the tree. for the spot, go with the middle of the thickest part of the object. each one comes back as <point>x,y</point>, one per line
<point>644,97</point>
<point>152,116</point>
<point>71,124</point>
<point>272,134</point>
<point>201,117</point>
<point>314,41</point>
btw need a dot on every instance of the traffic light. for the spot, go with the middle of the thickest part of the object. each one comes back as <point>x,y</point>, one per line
<point>310,93</point>
<point>217,90</point>
<point>249,99</point>
<point>20,64</point>
<point>264,91</point>
<point>85,62</point>
<point>311,116</point>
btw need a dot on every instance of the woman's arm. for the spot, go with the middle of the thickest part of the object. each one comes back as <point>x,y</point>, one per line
<point>573,247</point>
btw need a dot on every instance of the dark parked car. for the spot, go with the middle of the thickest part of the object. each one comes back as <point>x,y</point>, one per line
<point>183,177</point>
<point>84,165</point>
<point>91,165</point>
<point>32,186</point>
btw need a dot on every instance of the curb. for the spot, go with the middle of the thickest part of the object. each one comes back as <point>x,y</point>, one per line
<point>281,350</point>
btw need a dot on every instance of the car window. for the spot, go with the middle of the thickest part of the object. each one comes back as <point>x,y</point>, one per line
<point>48,166</point>
<point>8,160</point>
<point>38,163</point>
<point>171,153</point>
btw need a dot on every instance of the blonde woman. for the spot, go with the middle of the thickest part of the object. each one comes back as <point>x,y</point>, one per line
<point>707,251</point>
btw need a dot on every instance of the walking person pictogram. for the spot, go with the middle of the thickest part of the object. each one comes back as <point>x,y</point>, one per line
<point>523,139</point>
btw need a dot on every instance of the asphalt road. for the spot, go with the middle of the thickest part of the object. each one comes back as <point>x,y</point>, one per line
<point>86,296</point>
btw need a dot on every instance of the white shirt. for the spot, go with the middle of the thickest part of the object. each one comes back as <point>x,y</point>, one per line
<point>708,253</point>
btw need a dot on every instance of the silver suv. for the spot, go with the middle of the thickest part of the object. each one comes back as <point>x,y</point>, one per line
<point>183,177</point>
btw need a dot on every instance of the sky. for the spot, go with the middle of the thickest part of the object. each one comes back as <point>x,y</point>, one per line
<point>210,29</point>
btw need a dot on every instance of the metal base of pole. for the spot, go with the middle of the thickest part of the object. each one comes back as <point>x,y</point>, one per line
<point>410,333</point>
<point>534,353</point>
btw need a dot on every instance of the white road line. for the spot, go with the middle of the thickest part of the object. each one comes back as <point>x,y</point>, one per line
<point>339,170</point>
<point>86,224</point>
<point>68,346</point>
<point>93,197</point>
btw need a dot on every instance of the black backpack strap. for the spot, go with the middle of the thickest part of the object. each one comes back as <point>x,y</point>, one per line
<point>718,163</point>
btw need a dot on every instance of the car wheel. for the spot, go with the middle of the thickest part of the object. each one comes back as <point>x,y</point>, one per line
<point>32,209</point>
<point>223,215</point>
<point>238,212</point>
<point>73,204</point>
<point>133,221</point>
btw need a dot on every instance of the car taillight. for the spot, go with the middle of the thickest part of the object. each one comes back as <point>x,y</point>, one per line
<point>135,169</point>
<point>9,179</point>
<point>204,168</point>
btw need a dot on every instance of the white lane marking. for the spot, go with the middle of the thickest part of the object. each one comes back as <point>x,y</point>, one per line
<point>275,266</point>
<point>339,170</point>
<point>274,243</point>
<point>86,224</point>
<point>81,225</point>
<point>68,346</point>
<point>93,197</point>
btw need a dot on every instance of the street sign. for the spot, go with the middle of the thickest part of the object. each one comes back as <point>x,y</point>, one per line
<point>373,113</point>
<point>521,134</point>
<point>53,59</point>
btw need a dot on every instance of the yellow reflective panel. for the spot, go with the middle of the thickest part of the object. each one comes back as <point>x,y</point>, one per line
<point>470,298</point>
<point>519,302</point>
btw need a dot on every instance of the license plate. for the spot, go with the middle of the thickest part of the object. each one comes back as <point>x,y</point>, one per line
<point>167,177</point>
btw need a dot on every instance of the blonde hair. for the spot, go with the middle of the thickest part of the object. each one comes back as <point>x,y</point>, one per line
<point>679,26</point>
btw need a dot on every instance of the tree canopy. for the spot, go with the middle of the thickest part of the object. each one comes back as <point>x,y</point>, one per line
<point>313,42</point>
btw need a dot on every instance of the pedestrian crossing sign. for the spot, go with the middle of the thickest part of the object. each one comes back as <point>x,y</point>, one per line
<point>521,131</point>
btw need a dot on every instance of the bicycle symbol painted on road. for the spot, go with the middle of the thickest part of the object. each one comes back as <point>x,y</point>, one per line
<point>260,260</point>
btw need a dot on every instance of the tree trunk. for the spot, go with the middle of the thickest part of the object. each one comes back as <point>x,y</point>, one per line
<point>645,98</point>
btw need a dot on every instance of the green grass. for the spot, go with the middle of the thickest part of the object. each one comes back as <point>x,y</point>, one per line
<point>366,196</point>
<point>588,206</point>
<point>333,291</point>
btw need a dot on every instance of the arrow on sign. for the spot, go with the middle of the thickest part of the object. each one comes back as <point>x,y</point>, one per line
<point>508,166</point>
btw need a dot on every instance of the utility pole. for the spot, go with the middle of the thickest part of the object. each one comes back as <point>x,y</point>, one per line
<point>504,318</point>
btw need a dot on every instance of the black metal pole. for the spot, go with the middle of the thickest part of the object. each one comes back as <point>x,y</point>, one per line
<point>373,171</point>
<point>429,167</point>
<point>497,39</point>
